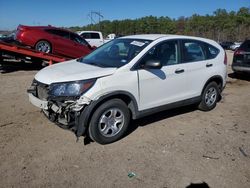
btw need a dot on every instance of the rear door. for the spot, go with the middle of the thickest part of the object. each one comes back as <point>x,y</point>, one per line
<point>199,68</point>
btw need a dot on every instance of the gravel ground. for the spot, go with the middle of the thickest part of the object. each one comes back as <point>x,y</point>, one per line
<point>168,149</point>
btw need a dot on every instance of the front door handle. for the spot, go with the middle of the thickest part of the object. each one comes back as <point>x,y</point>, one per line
<point>209,65</point>
<point>178,71</point>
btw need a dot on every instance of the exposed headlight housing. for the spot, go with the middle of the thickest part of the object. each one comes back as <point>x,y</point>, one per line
<point>70,89</point>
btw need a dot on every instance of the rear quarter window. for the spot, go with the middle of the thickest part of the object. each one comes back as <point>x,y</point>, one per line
<point>58,32</point>
<point>212,51</point>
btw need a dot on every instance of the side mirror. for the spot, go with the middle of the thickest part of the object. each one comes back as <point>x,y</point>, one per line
<point>153,64</point>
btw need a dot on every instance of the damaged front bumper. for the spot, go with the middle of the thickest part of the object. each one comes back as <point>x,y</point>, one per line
<point>65,112</point>
<point>37,102</point>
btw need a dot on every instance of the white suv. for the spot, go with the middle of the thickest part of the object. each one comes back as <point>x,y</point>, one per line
<point>128,78</point>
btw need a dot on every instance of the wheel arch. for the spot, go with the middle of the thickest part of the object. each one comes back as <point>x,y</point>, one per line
<point>218,80</point>
<point>87,112</point>
<point>125,96</point>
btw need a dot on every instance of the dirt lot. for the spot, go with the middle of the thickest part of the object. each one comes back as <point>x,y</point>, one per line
<point>170,149</point>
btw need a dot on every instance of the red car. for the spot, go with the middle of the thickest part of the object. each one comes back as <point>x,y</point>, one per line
<point>54,40</point>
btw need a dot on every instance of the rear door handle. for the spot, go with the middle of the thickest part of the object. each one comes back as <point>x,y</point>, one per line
<point>178,71</point>
<point>209,65</point>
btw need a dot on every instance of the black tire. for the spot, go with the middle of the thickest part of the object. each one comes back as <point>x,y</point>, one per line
<point>43,46</point>
<point>210,96</point>
<point>106,119</point>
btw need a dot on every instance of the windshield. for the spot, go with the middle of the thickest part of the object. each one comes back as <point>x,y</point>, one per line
<point>115,53</point>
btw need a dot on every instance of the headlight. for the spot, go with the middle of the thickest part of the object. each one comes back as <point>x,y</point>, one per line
<point>69,89</point>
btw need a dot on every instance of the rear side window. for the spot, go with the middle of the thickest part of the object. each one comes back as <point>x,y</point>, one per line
<point>90,35</point>
<point>60,33</point>
<point>192,51</point>
<point>245,46</point>
<point>95,36</point>
<point>85,35</point>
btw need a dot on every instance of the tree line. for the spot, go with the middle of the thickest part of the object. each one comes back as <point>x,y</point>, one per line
<point>220,26</point>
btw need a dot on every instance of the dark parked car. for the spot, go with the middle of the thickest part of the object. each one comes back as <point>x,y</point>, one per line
<point>7,38</point>
<point>226,45</point>
<point>241,59</point>
<point>54,40</point>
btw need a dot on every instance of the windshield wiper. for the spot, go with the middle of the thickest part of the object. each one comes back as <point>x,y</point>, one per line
<point>93,63</point>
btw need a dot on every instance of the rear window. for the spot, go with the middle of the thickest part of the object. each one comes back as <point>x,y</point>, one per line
<point>245,46</point>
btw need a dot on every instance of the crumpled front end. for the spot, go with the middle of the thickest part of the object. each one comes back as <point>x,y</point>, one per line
<point>64,111</point>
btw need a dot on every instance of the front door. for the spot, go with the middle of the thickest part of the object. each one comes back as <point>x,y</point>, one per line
<point>158,87</point>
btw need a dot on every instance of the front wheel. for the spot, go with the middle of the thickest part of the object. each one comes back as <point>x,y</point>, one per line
<point>210,97</point>
<point>109,122</point>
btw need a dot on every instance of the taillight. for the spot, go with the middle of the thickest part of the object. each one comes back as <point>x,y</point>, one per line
<point>225,59</point>
<point>239,52</point>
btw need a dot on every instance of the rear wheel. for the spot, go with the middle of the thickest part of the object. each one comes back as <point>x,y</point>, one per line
<point>43,46</point>
<point>210,97</point>
<point>109,122</point>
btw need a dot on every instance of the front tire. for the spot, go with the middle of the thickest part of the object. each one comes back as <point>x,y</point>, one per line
<point>43,46</point>
<point>210,97</point>
<point>109,122</point>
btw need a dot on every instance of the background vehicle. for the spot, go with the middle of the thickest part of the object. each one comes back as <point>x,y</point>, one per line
<point>226,45</point>
<point>130,77</point>
<point>54,40</point>
<point>235,46</point>
<point>241,59</point>
<point>7,37</point>
<point>94,38</point>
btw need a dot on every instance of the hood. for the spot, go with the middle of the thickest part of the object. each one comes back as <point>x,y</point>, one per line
<point>71,71</point>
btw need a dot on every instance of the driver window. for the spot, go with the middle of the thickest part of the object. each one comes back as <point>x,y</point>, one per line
<point>165,52</point>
